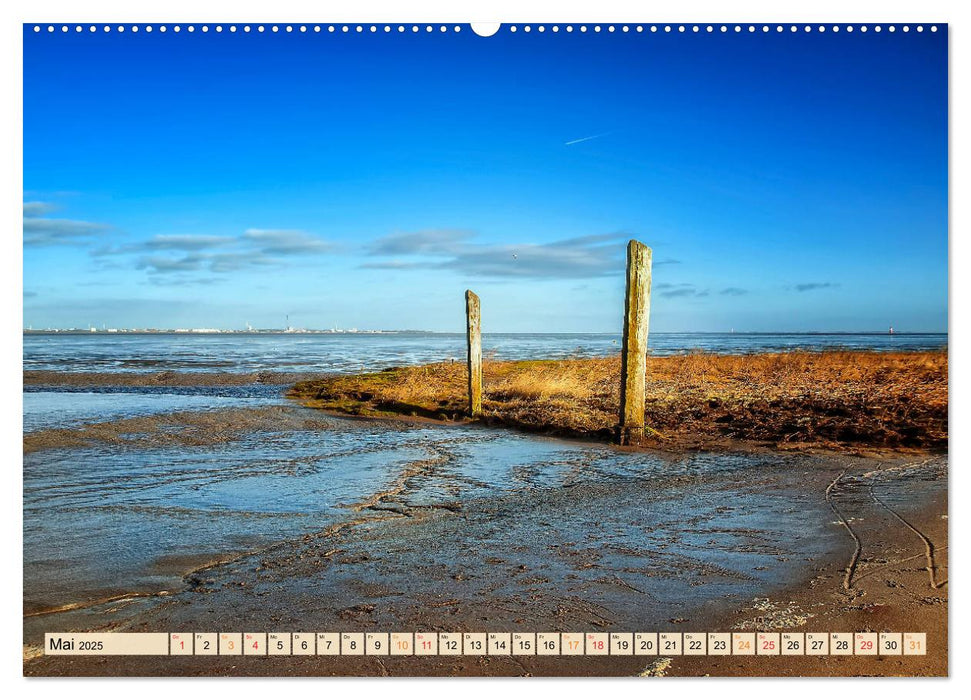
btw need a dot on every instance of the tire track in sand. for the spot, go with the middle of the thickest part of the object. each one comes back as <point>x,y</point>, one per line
<point>851,567</point>
<point>928,544</point>
<point>850,570</point>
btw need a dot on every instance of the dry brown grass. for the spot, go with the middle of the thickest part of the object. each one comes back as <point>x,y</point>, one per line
<point>835,398</point>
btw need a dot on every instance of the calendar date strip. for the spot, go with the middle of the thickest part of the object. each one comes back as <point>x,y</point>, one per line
<point>486,644</point>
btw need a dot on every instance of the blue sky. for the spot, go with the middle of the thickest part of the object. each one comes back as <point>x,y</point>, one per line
<point>786,182</point>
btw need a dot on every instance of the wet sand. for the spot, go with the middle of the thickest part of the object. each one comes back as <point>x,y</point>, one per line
<point>186,428</point>
<point>806,542</point>
<point>164,378</point>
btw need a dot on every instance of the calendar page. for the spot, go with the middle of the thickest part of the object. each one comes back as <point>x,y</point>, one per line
<point>511,349</point>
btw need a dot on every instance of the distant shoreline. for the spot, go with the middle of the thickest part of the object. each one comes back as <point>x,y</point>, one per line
<point>82,332</point>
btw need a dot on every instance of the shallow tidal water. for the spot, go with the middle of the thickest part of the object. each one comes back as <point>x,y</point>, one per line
<point>57,408</point>
<point>105,520</point>
<point>348,352</point>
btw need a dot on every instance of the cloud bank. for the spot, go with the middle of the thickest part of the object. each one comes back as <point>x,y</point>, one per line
<point>813,286</point>
<point>42,231</point>
<point>455,249</point>
<point>194,259</point>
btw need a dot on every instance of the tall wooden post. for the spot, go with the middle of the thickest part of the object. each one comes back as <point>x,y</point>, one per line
<point>474,337</point>
<point>637,309</point>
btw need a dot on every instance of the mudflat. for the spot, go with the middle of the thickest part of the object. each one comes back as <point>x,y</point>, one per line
<point>164,378</point>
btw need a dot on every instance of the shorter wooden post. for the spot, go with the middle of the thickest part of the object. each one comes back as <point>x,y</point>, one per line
<point>474,337</point>
<point>637,309</point>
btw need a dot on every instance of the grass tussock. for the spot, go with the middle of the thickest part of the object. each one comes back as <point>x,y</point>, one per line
<point>832,398</point>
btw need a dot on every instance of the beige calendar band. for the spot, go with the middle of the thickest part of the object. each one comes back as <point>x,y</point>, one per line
<point>486,644</point>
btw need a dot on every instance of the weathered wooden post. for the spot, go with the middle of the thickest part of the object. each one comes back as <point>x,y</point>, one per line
<point>474,337</point>
<point>633,371</point>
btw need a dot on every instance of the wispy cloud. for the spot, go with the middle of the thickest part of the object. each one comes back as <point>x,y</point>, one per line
<point>286,242</point>
<point>679,290</point>
<point>199,259</point>
<point>157,263</point>
<point>181,280</point>
<point>585,138</point>
<point>455,249</point>
<point>32,209</point>
<point>186,242</point>
<point>813,286</point>
<point>425,242</point>
<point>42,231</point>
<point>687,290</point>
<point>165,244</point>
<point>213,262</point>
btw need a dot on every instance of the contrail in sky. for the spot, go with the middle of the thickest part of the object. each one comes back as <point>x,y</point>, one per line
<point>586,138</point>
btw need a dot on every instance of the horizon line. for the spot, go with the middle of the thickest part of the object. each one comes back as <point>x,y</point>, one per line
<point>366,331</point>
